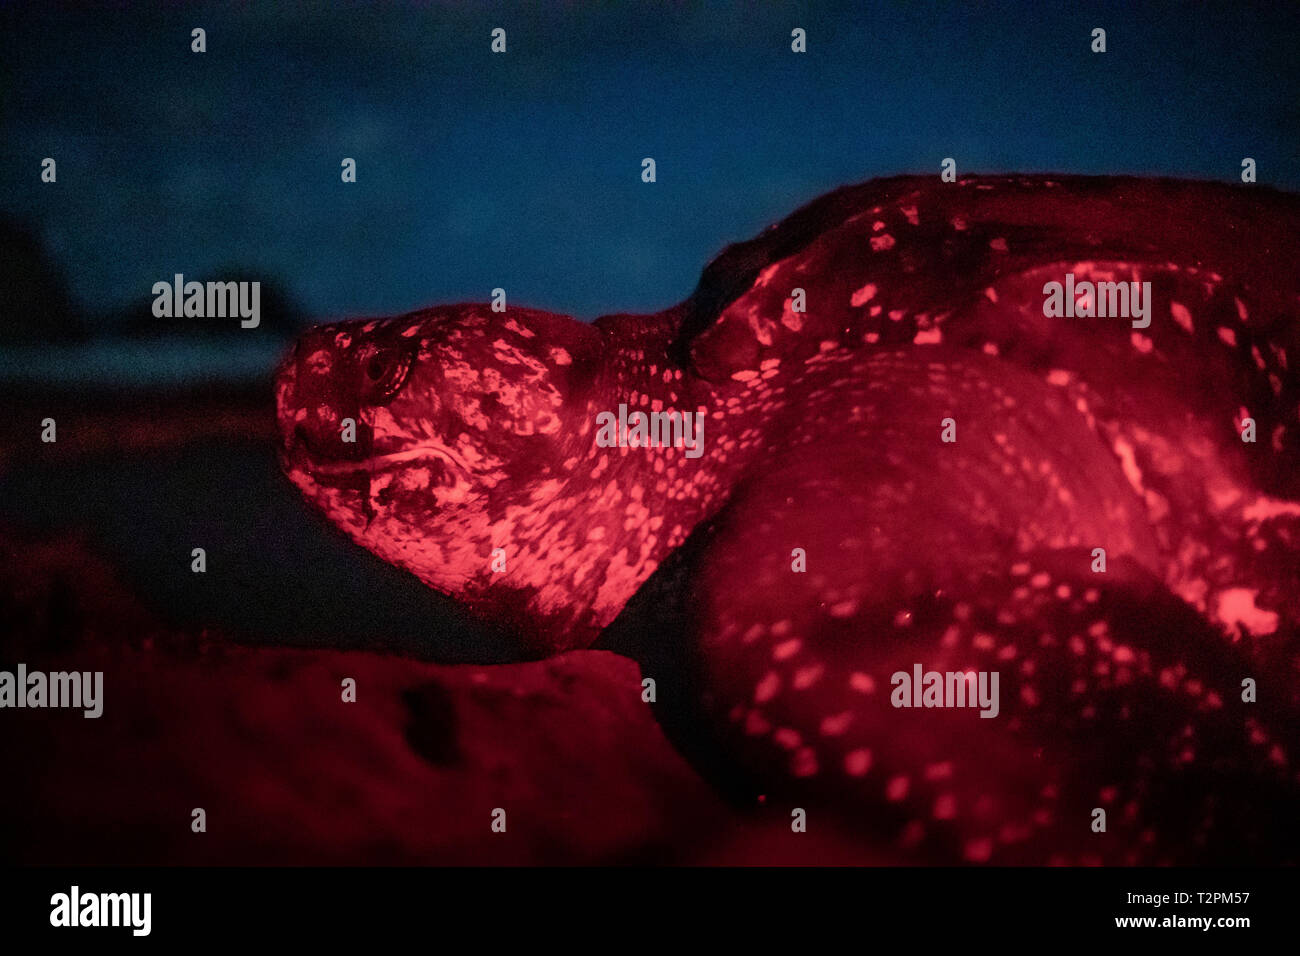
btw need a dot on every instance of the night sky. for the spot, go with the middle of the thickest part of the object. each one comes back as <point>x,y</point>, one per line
<point>523,171</point>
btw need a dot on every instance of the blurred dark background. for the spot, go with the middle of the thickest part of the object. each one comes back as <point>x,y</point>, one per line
<point>474,171</point>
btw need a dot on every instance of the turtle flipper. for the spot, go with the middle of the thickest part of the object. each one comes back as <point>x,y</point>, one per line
<point>1112,694</point>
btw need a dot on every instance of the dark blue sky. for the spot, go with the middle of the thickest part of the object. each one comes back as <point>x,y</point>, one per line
<point>523,170</point>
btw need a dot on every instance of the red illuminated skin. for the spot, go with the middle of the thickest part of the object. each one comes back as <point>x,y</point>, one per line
<point>1119,690</point>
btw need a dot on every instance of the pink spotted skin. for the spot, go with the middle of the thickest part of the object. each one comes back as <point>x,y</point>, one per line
<point>828,538</point>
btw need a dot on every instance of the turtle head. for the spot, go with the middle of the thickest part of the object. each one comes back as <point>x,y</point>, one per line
<point>422,437</point>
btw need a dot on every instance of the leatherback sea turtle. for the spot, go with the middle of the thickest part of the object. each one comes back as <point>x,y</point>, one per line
<point>1039,430</point>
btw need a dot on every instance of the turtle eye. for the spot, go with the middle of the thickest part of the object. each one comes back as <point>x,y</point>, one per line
<point>384,370</point>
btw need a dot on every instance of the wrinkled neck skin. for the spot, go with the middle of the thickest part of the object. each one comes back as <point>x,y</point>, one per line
<point>580,547</point>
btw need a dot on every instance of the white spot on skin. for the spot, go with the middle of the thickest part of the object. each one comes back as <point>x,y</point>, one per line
<point>786,650</point>
<point>786,738</point>
<point>1265,508</point>
<point>1128,463</point>
<point>862,683</point>
<point>320,362</point>
<point>835,725</point>
<point>863,295</point>
<point>807,676</point>
<point>767,688</point>
<point>1180,315</point>
<point>766,275</point>
<point>882,243</point>
<point>1223,496</point>
<point>896,789</point>
<point>804,763</point>
<point>1236,606</point>
<point>857,762</point>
